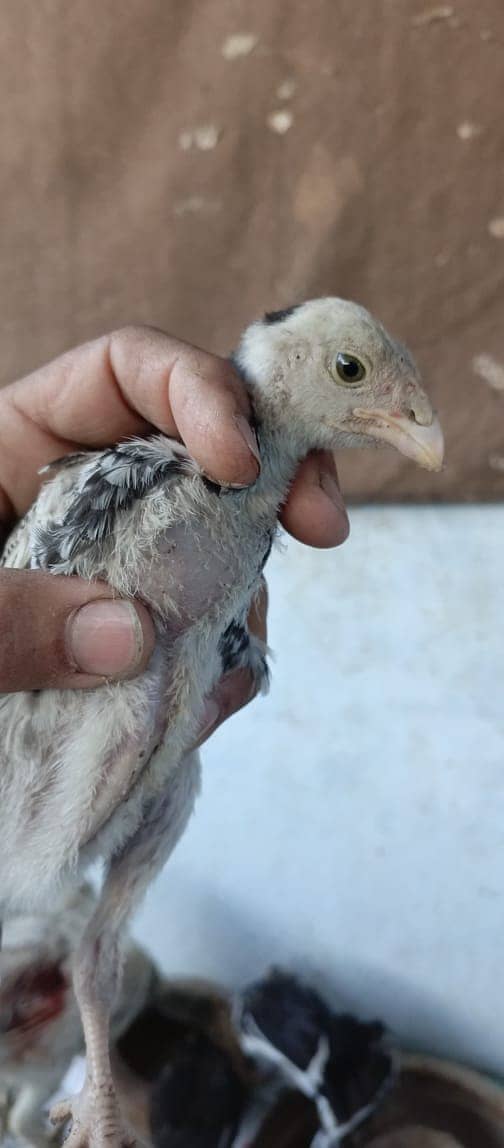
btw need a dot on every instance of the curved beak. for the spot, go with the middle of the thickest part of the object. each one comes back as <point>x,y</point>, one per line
<point>424,444</point>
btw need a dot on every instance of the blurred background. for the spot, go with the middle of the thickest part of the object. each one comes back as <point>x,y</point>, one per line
<point>191,165</point>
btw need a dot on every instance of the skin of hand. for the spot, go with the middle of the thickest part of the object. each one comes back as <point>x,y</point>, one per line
<point>65,632</point>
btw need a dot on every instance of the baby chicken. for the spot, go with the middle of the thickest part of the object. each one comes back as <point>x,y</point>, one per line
<point>343,1065</point>
<point>109,773</point>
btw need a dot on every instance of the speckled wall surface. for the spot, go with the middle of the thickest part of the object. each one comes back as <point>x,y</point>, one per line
<point>190,164</point>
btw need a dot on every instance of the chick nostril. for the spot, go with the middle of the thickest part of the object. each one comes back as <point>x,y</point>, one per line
<point>421,414</point>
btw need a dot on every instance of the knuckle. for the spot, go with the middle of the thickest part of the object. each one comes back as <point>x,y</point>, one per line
<point>132,333</point>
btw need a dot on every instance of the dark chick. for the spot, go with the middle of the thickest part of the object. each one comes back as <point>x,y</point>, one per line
<point>197,1100</point>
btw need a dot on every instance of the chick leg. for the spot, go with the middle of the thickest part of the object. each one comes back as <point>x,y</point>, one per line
<point>95,1114</point>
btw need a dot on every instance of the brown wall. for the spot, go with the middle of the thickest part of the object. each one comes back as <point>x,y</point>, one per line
<point>387,186</point>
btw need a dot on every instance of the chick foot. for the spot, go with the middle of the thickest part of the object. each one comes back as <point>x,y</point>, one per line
<point>96,1122</point>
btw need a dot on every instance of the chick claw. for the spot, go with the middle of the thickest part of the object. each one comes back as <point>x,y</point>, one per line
<point>87,1130</point>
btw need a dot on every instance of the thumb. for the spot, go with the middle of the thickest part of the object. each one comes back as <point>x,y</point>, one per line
<point>64,632</point>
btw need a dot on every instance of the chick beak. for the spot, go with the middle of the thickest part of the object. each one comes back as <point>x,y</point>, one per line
<point>417,435</point>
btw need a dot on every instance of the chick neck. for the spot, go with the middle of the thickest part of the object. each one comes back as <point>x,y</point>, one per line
<point>283,443</point>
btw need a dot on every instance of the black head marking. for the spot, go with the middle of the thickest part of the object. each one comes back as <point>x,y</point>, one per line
<point>278,316</point>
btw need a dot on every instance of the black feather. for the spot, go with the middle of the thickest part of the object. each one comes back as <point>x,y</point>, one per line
<point>267,552</point>
<point>213,487</point>
<point>120,477</point>
<point>66,461</point>
<point>360,1067</point>
<point>10,547</point>
<point>232,644</point>
<point>197,1100</point>
<point>290,1014</point>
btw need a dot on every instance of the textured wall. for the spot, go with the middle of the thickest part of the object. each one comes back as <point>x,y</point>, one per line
<point>191,164</point>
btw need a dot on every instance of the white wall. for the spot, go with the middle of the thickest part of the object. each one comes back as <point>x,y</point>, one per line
<point>352,824</point>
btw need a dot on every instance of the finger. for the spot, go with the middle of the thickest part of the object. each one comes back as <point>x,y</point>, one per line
<point>118,386</point>
<point>234,691</point>
<point>258,613</point>
<point>314,512</point>
<point>64,632</point>
<point>239,687</point>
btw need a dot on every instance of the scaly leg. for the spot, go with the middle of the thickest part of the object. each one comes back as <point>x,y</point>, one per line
<point>95,1115</point>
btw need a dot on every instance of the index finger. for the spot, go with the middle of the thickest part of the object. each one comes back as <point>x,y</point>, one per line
<point>120,385</point>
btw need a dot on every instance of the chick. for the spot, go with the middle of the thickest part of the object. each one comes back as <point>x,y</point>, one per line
<point>197,1100</point>
<point>109,773</point>
<point>343,1065</point>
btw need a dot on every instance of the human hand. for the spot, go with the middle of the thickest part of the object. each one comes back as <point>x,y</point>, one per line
<point>64,632</point>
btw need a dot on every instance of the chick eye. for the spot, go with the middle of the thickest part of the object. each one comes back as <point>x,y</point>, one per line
<point>349,369</point>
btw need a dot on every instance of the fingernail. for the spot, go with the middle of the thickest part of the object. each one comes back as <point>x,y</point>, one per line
<point>210,716</point>
<point>249,436</point>
<point>105,638</point>
<point>331,488</point>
